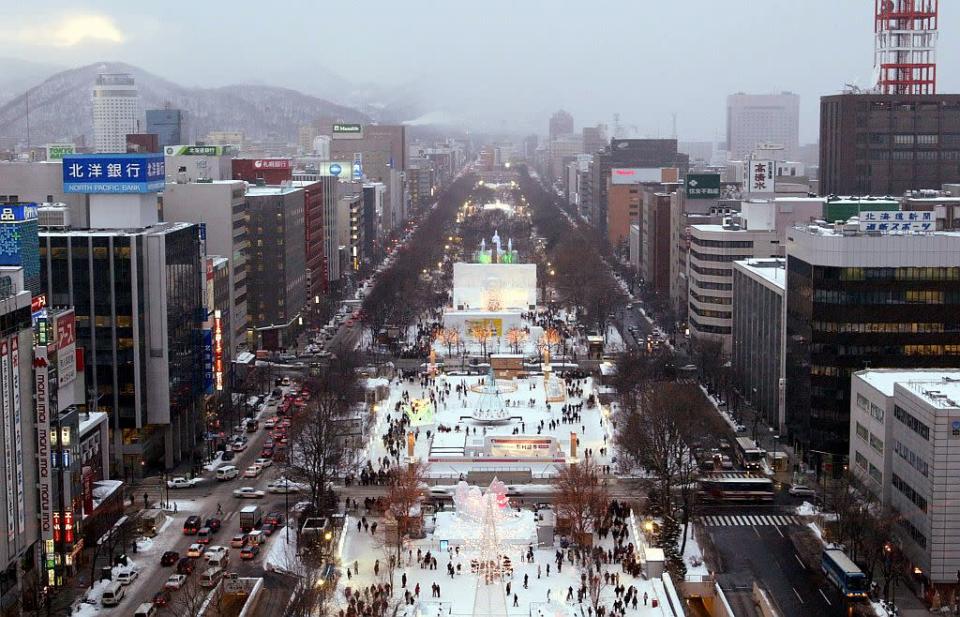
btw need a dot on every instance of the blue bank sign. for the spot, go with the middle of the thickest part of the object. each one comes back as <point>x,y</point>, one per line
<point>113,173</point>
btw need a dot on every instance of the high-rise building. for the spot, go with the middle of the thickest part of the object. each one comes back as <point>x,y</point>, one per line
<point>654,231</point>
<point>862,299</point>
<point>377,152</point>
<point>139,312</point>
<point>594,138</point>
<point>19,242</point>
<point>169,125</point>
<point>754,119</point>
<point>18,465</point>
<point>313,230</point>
<point>276,280</point>
<point>887,144</point>
<point>116,111</point>
<point>561,123</point>
<point>221,207</point>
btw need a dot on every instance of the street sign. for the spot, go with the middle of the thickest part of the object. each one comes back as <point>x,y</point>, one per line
<point>703,186</point>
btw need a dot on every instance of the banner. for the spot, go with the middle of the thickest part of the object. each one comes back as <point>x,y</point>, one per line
<point>18,431</point>
<point>44,473</point>
<point>7,438</point>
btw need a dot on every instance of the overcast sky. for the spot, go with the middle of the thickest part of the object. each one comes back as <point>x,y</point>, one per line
<point>504,64</point>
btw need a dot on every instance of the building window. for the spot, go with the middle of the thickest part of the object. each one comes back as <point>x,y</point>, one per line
<point>862,432</point>
<point>876,443</point>
<point>860,459</point>
<point>913,532</point>
<point>875,474</point>
<point>911,422</point>
<point>863,402</point>
<point>904,140</point>
<point>911,457</point>
<point>908,492</point>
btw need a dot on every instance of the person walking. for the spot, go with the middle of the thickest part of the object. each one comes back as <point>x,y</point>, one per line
<point>515,600</point>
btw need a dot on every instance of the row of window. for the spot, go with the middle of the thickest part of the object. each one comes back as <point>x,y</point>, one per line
<point>874,327</point>
<point>710,271</point>
<point>708,329</point>
<point>875,411</point>
<point>911,422</point>
<point>711,299</point>
<point>895,274</point>
<point>908,492</point>
<point>914,533</point>
<point>708,313</point>
<point>915,460</point>
<point>722,244</point>
<point>712,285</point>
<point>715,257</point>
<point>911,155</point>
<point>886,296</point>
<point>931,350</point>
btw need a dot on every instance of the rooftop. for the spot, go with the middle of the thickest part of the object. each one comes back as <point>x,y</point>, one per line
<point>131,231</point>
<point>941,379</point>
<point>771,269</point>
<point>254,191</point>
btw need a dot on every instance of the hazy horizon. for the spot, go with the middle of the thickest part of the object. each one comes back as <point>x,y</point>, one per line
<point>493,65</point>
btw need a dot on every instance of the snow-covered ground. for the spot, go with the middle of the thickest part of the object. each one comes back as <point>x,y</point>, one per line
<point>693,556</point>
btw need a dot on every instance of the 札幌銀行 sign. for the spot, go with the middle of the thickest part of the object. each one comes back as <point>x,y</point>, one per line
<point>113,173</point>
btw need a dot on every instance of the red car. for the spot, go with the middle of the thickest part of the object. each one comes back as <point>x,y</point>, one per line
<point>169,558</point>
<point>266,453</point>
<point>250,551</point>
<point>185,565</point>
<point>161,598</point>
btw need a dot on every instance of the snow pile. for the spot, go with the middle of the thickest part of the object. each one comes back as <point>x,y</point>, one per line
<point>215,463</point>
<point>103,489</point>
<point>816,530</point>
<point>282,557</point>
<point>806,509</point>
<point>144,544</point>
<point>693,556</point>
<point>514,528</point>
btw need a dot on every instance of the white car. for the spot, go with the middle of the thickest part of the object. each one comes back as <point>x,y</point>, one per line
<point>248,492</point>
<point>179,482</point>
<point>802,491</point>
<point>196,550</point>
<point>239,446</point>
<point>252,471</point>
<point>125,577</point>
<point>214,553</point>
<point>270,423</point>
<point>284,486</point>
<point>175,581</point>
<point>263,462</point>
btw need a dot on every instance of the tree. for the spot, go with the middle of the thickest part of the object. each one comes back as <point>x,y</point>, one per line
<point>581,497</point>
<point>516,337</point>
<point>449,337</point>
<point>551,338</point>
<point>481,333</point>
<point>189,599</point>
<point>405,484</point>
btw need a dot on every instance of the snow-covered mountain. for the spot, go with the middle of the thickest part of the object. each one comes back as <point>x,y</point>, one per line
<point>61,108</point>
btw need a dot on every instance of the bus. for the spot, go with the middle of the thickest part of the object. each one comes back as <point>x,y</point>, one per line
<point>736,488</point>
<point>843,573</point>
<point>750,454</point>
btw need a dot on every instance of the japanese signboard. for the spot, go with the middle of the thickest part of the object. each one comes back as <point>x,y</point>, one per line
<point>271,164</point>
<point>339,169</point>
<point>703,186</point>
<point>66,329</point>
<point>12,213</point>
<point>113,173</point>
<point>7,437</point>
<point>44,471</point>
<point>217,351</point>
<point>761,177</point>
<point>56,152</point>
<point>887,221</point>
<point>347,131</point>
<point>208,361</point>
<point>198,150</point>
<point>17,430</point>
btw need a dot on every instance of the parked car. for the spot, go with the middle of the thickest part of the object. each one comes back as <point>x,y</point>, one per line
<point>800,490</point>
<point>126,576</point>
<point>175,581</point>
<point>227,456</point>
<point>169,558</point>
<point>248,492</point>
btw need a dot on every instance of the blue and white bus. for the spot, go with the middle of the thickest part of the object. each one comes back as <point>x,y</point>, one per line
<point>843,573</point>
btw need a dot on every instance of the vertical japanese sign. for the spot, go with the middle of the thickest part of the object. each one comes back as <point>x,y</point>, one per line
<point>761,177</point>
<point>66,329</point>
<point>44,473</point>
<point>217,351</point>
<point>18,431</point>
<point>7,438</point>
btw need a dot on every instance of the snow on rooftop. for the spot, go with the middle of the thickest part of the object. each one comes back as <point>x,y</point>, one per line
<point>773,270</point>
<point>93,419</point>
<point>885,380</point>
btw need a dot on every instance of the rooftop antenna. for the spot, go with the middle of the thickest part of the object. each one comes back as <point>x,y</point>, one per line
<point>905,46</point>
<point>674,125</point>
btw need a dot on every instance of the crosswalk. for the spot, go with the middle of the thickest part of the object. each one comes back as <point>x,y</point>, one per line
<point>744,520</point>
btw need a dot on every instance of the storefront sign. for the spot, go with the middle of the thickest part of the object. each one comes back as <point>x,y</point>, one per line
<point>271,164</point>
<point>7,438</point>
<point>66,328</point>
<point>885,221</point>
<point>761,177</point>
<point>703,186</point>
<point>113,173</point>
<point>347,131</point>
<point>217,351</point>
<point>17,430</point>
<point>44,473</point>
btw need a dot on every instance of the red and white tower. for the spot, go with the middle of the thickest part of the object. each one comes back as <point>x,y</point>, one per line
<point>905,48</point>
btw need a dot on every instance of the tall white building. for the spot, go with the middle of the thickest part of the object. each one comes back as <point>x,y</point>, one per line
<point>116,111</point>
<point>754,119</point>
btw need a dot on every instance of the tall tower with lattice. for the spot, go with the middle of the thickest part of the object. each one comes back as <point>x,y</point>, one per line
<point>906,45</point>
<point>490,600</point>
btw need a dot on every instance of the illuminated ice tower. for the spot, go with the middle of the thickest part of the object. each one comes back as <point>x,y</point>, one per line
<point>905,48</point>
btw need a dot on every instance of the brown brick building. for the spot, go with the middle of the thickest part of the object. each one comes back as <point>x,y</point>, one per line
<point>885,144</point>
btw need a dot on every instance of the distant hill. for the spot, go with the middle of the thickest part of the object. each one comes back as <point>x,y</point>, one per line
<point>16,75</point>
<point>61,107</point>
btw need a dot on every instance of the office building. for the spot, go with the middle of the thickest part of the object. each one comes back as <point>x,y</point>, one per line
<point>654,240</point>
<point>116,111</point>
<point>374,230</point>
<point>562,150</point>
<point>276,276</point>
<point>18,467</point>
<point>19,242</point>
<point>41,183</point>
<point>169,125</point>
<point>420,184</point>
<point>887,144</point>
<point>561,123</point>
<point>862,299</point>
<point>373,150</point>
<point>225,138</point>
<point>594,138</point>
<point>755,119</point>
<point>137,297</point>
<point>757,355</point>
<point>904,436</point>
<point>315,260</point>
<point>713,248</point>
<point>185,163</point>
<point>221,207</point>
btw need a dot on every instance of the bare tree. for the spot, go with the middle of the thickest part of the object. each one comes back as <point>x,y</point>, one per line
<point>481,333</point>
<point>189,599</point>
<point>449,337</point>
<point>405,484</point>
<point>516,337</point>
<point>582,498</point>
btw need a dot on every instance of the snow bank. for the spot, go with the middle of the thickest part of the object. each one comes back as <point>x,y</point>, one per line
<point>806,509</point>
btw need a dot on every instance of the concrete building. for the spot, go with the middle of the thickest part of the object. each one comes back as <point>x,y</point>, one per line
<point>904,435</point>
<point>276,280</point>
<point>623,209</point>
<point>169,125</point>
<point>374,151</point>
<point>758,344</point>
<point>137,297</point>
<point>315,259</point>
<point>862,299</point>
<point>225,138</point>
<point>18,467</point>
<point>713,248</point>
<point>116,111</point>
<point>754,119</point>
<point>185,163</point>
<point>885,144</point>
<point>41,182</point>
<point>420,184</point>
<point>655,239</point>
<point>221,207</point>
<point>562,150</point>
<point>561,123</point>
<point>594,138</point>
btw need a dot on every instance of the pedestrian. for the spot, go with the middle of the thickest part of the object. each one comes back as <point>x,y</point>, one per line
<point>548,594</point>
<point>548,570</point>
<point>348,574</point>
<point>416,590</point>
<point>515,602</point>
<point>508,589</point>
<point>219,509</point>
<point>644,598</point>
<point>538,570</point>
<point>376,568</point>
<point>403,580</point>
<point>145,498</point>
<point>526,579</point>
<point>356,567</point>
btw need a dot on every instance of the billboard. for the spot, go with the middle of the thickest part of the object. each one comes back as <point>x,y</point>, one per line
<point>885,221</point>
<point>703,186</point>
<point>198,150</point>
<point>12,213</point>
<point>339,169</point>
<point>113,173</point>
<point>217,351</point>
<point>66,329</point>
<point>635,175</point>
<point>56,152</point>
<point>762,177</point>
<point>44,473</point>
<point>208,361</point>
<point>271,163</point>
<point>347,131</point>
<point>17,430</point>
<point>7,437</point>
